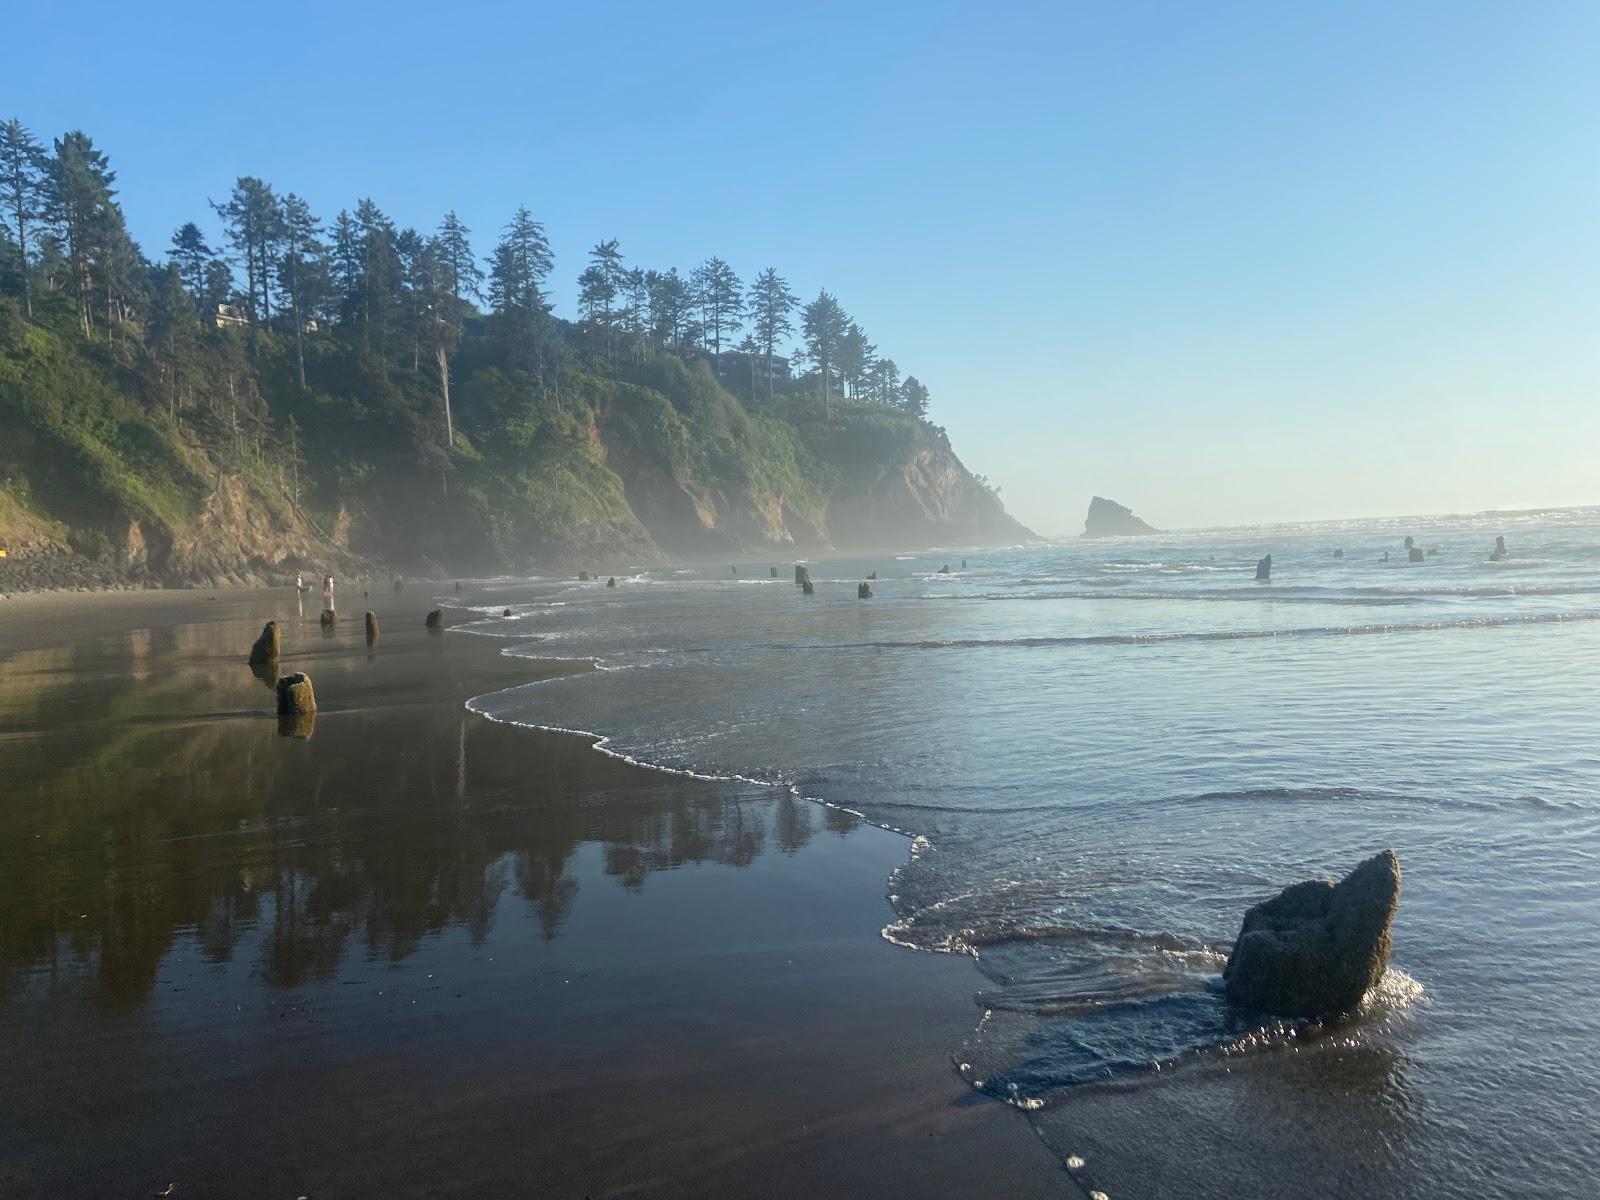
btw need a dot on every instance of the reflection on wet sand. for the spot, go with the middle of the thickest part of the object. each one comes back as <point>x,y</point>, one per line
<point>157,807</point>
<point>420,954</point>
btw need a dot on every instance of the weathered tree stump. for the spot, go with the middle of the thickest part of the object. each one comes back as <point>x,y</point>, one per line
<point>267,646</point>
<point>296,695</point>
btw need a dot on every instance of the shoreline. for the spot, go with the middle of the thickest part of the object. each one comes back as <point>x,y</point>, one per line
<point>834,1082</point>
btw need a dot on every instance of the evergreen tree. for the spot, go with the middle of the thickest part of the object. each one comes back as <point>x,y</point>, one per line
<point>463,275</point>
<point>823,325</point>
<point>883,382</point>
<point>771,302</point>
<point>192,256</point>
<point>253,222</point>
<point>174,336</point>
<point>601,283</point>
<point>80,204</point>
<point>22,196</point>
<point>302,274</point>
<point>719,296</point>
<point>670,301</point>
<point>522,261</point>
<point>914,397</point>
<point>856,356</point>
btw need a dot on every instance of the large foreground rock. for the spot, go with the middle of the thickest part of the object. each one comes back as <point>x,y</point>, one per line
<point>1315,949</point>
<point>1107,518</point>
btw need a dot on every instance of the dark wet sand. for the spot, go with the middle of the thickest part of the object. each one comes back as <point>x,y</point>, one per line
<point>420,954</point>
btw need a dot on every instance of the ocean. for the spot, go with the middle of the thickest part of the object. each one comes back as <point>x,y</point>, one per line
<point>1103,752</point>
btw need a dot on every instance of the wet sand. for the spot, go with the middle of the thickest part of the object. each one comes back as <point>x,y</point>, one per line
<point>417,953</point>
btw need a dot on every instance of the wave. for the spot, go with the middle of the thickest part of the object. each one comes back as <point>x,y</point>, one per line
<point>1214,635</point>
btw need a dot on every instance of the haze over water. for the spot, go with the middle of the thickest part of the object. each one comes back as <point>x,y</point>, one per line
<point>1108,750</point>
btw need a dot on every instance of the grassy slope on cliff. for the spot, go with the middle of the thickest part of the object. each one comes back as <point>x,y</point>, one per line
<point>625,455</point>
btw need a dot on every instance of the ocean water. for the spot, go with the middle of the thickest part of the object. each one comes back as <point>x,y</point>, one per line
<point>1104,752</point>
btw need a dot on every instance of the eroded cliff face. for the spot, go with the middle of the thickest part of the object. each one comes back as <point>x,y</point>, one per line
<point>923,497</point>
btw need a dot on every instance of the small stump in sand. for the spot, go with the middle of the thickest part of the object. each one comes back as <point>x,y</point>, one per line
<point>296,695</point>
<point>329,618</point>
<point>583,577</point>
<point>435,619</point>
<point>267,645</point>
<point>1315,949</point>
<point>372,628</point>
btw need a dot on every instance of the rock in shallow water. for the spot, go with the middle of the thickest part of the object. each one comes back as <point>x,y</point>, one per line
<point>1316,948</point>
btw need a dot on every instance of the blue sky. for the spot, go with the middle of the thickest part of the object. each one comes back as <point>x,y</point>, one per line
<point>1222,262</point>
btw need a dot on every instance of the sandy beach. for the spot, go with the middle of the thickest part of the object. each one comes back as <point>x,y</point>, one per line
<point>419,953</point>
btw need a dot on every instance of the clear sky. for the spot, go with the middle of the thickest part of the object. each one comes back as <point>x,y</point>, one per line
<point>1223,262</point>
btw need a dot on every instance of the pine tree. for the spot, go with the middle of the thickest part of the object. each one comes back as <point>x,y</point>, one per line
<point>771,302</point>
<point>192,256</point>
<point>856,356</point>
<point>79,204</point>
<point>22,195</point>
<point>174,336</point>
<point>669,300</point>
<point>522,261</point>
<point>719,295</point>
<point>253,223</point>
<point>914,397</point>
<point>301,272</point>
<point>823,324</point>
<point>463,275</point>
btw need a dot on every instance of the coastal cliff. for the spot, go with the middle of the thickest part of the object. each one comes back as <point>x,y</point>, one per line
<point>103,485</point>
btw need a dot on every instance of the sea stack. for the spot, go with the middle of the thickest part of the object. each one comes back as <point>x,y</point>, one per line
<point>372,629</point>
<point>1316,948</point>
<point>863,592</point>
<point>435,619</point>
<point>1264,569</point>
<point>267,645</point>
<point>296,695</point>
<point>1107,518</point>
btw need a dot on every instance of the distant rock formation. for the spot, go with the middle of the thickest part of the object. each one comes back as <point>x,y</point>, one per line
<point>1316,948</point>
<point>1264,569</point>
<point>1107,518</point>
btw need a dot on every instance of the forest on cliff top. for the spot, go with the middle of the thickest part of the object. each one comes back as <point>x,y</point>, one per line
<point>302,385</point>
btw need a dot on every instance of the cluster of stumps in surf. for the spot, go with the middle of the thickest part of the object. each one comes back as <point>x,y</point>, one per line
<point>1414,553</point>
<point>296,696</point>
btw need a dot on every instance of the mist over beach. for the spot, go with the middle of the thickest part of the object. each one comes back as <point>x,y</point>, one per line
<point>913,602</point>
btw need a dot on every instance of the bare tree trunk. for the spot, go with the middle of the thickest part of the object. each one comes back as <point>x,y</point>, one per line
<point>444,392</point>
